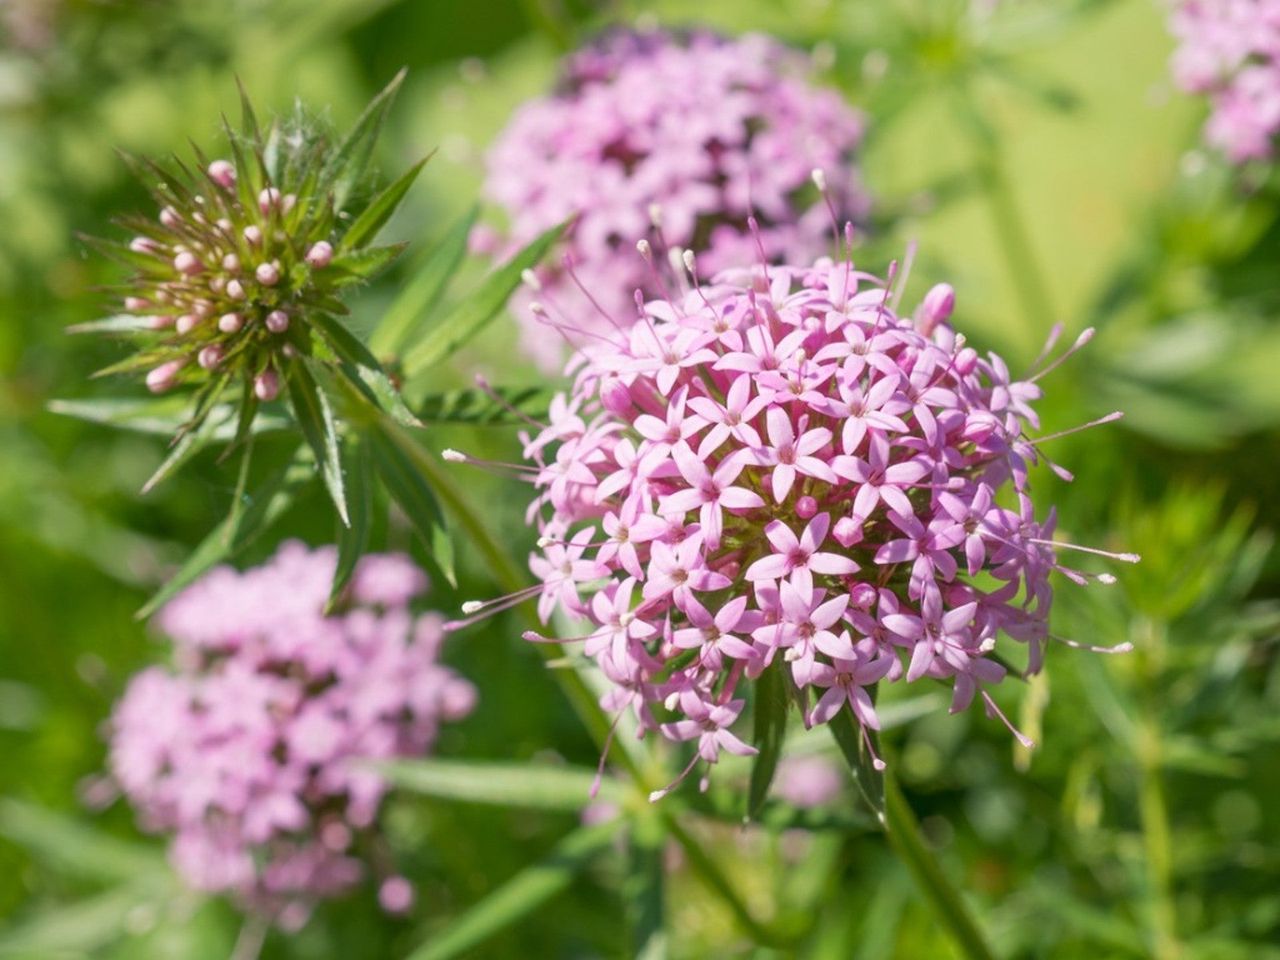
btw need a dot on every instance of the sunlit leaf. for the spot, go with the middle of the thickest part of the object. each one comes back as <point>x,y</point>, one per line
<point>347,166</point>
<point>535,786</point>
<point>314,415</point>
<point>380,208</point>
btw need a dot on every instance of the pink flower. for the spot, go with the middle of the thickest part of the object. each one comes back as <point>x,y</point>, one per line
<point>839,510</point>
<point>244,753</point>
<point>678,140</point>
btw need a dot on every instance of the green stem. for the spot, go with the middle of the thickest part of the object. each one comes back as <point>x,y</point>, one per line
<point>904,835</point>
<point>714,878</point>
<point>1153,810</point>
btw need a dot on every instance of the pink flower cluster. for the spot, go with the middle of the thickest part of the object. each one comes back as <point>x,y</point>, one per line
<point>1230,49</point>
<point>247,751</point>
<point>776,471</point>
<point>688,136</point>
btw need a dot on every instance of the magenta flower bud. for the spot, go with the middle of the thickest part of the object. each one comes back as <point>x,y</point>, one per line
<point>266,386</point>
<point>136,303</point>
<point>169,217</point>
<point>806,507</point>
<point>223,174</point>
<point>203,308</point>
<point>186,323</point>
<point>161,322</point>
<point>847,532</point>
<point>224,225</point>
<point>935,308</point>
<point>288,202</point>
<point>163,377</point>
<point>277,321</point>
<point>268,198</point>
<point>320,254</point>
<point>252,235</point>
<point>395,895</point>
<point>231,263</point>
<point>615,397</point>
<point>235,290</point>
<point>335,835</point>
<point>210,356</point>
<point>230,323</point>
<point>217,284</point>
<point>188,263</point>
<point>142,245</point>
<point>862,595</point>
<point>966,361</point>
<point>979,426</point>
<point>268,274</point>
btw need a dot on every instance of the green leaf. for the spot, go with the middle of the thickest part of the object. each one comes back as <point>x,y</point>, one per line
<point>185,446</point>
<point>379,211</point>
<point>366,369</point>
<point>526,785</point>
<point>357,266</point>
<point>520,895</point>
<point>314,414</point>
<point>643,890</point>
<point>478,308</point>
<point>423,293</point>
<point>85,928</point>
<point>162,417</point>
<point>869,780</point>
<point>122,323</point>
<point>353,540</point>
<point>770,727</point>
<point>234,533</point>
<point>398,459</point>
<point>497,406</point>
<point>73,847</point>
<point>345,169</point>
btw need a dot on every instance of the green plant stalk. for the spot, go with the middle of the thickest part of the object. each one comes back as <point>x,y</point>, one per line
<point>904,835</point>
<point>706,868</point>
<point>1153,809</point>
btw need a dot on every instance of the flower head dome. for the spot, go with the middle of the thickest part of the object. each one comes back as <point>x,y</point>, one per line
<point>776,471</point>
<point>1230,50</point>
<point>683,136</point>
<point>246,752</point>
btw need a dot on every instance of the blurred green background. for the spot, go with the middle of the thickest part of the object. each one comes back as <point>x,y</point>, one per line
<point>1037,152</point>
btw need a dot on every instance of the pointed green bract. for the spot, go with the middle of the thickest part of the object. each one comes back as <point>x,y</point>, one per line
<point>353,539</point>
<point>398,461</point>
<point>478,308</point>
<point>347,166</point>
<point>869,780</point>
<point>407,313</point>
<point>314,414</point>
<point>380,209</point>
<point>770,708</point>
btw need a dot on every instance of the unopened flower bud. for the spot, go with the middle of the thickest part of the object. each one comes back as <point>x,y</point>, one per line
<point>269,197</point>
<point>161,322</point>
<point>231,263</point>
<point>223,174</point>
<point>806,507</point>
<point>142,245</point>
<point>163,377</point>
<point>230,323</point>
<point>266,386</point>
<point>235,290</point>
<point>268,274</point>
<point>210,356</point>
<point>277,321</point>
<point>186,323</point>
<point>188,263</point>
<point>253,235</point>
<point>615,397</point>
<point>136,303</point>
<point>935,308</point>
<point>847,531</point>
<point>395,895</point>
<point>320,254</point>
<point>169,217</point>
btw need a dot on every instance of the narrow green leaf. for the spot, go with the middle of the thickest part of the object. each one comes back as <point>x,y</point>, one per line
<point>161,417</point>
<point>225,540</point>
<point>520,895</point>
<point>85,928</point>
<point>770,727</point>
<point>248,119</point>
<point>396,457</point>
<point>644,890</point>
<point>498,406</point>
<point>359,266</point>
<point>528,785</point>
<point>479,307</point>
<point>353,540</point>
<point>185,446</point>
<point>379,211</point>
<point>366,369</point>
<point>423,293</point>
<point>345,169</point>
<point>314,414</point>
<point>71,846</point>
<point>869,780</point>
<point>123,323</point>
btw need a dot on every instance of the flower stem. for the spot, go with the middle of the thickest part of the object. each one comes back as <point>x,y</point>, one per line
<point>714,878</point>
<point>904,835</point>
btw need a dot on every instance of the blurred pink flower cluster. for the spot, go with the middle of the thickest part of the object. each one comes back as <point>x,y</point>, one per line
<point>685,136</point>
<point>776,471</point>
<point>1230,49</point>
<point>248,751</point>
